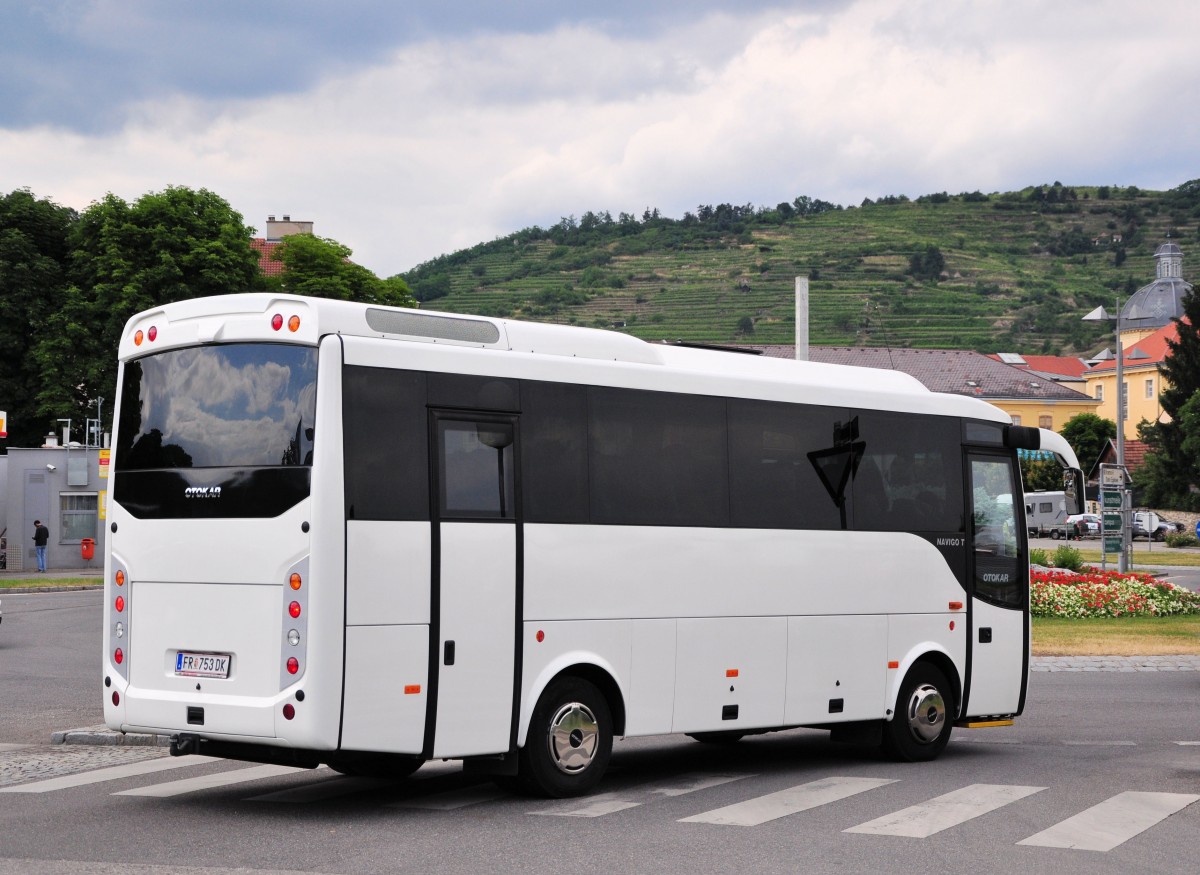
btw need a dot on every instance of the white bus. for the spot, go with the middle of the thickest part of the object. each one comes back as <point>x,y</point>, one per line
<point>370,537</point>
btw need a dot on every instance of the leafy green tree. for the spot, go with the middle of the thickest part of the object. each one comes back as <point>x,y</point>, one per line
<point>321,268</point>
<point>1170,476</point>
<point>1042,474</point>
<point>33,281</point>
<point>927,265</point>
<point>1088,434</point>
<point>167,246</point>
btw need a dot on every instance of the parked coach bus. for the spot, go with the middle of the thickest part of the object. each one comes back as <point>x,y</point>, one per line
<point>370,537</point>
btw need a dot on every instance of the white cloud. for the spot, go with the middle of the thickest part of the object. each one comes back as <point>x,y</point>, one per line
<point>450,142</point>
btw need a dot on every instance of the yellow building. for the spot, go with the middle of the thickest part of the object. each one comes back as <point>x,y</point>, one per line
<point>1145,325</point>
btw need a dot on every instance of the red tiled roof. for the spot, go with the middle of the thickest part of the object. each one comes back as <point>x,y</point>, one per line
<point>264,248</point>
<point>1153,345</point>
<point>1067,366</point>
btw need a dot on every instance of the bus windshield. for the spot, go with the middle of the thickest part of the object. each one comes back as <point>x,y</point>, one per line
<point>241,405</point>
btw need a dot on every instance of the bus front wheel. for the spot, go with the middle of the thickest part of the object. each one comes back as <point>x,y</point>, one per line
<point>570,740</point>
<point>920,728</point>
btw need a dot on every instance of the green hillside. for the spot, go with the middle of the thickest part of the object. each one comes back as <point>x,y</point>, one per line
<point>1017,269</point>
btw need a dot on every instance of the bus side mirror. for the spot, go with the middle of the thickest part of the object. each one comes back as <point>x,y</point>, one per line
<point>1073,490</point>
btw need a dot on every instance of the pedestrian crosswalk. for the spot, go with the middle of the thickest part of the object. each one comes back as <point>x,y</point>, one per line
<point>441,787</point>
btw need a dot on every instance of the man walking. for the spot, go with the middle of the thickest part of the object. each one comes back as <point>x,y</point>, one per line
<point>41,535</point>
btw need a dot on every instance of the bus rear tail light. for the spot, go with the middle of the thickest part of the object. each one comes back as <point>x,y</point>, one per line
<point>116,698</point>
<point>293,643</point>
<point>120,617</point>
<point>289,711</point>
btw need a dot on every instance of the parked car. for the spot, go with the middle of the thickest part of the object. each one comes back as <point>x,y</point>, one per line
<point>1078,525</point>
<point>1149,525</point>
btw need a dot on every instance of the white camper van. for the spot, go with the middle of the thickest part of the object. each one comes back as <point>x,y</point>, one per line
<point>1045,512</point>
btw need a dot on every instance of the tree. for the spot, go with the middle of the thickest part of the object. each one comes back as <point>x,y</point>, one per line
<point>321,268</point>
<point>167,246</point>
<point>927,265</point>
<point>1170,477</point>
<point>33,281</point>
<point>1041,474</point>
<point>1088,434</point>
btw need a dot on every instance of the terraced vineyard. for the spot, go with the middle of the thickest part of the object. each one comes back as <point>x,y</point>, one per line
<point>1019,270</point>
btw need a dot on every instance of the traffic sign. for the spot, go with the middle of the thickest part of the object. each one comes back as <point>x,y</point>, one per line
<point>1112,543</point>
<point>1112,522</point>
<point>1110,499</point>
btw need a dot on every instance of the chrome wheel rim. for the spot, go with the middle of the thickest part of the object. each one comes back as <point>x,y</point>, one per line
<point>926,713</point>
<point>574,735</point>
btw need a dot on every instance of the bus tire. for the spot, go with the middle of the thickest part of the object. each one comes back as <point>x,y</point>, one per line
<point>920,728</point>
<point>570,740</point>
<point>393,768</point>
<point>728,736</point>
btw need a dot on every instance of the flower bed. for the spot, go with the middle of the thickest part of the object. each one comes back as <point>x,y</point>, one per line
<point>1107,594</point>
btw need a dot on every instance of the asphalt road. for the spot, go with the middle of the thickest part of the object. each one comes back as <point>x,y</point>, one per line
<point>1090,743</point>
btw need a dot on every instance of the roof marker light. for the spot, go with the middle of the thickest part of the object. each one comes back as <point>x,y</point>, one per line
<point>277,321</point>
<point>152,333</point>
<point>294,323</point>
<point>137,337</point>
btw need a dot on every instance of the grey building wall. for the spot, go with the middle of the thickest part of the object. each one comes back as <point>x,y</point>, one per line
<point>63,488</point>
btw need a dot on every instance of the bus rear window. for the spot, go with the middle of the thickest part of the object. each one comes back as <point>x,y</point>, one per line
<point>239,405</point>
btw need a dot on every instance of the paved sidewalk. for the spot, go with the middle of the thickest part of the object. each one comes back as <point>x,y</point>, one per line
<point>1115,663</point>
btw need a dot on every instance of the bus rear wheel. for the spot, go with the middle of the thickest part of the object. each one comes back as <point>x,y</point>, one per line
<point>570,740</point>
<point>920,728</point>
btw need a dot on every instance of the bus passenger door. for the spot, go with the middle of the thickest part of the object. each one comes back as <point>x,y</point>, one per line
<point>476,549</point>
<point>999,645</point>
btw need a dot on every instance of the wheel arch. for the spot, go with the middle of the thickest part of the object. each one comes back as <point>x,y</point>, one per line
<point>934,655</point>
<point>596,672</point>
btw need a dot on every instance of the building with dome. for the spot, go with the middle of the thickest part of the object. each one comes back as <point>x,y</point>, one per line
<point>1146,324</point>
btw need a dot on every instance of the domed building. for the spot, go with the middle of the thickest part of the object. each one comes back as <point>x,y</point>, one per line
<point>1155,305</point>
<point>1146,325</point>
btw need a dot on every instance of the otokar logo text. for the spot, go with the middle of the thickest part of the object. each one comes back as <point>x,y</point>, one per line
<point>202,492</point>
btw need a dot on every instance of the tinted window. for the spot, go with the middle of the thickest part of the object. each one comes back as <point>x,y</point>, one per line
<point>554,470</point>
<point>774,483</point>
<point>476,475</point>
<point>657,458</point>
<point>235,405</point>
<point>909,477</point>
<point>469,392</point>
<point>999,567</point>
<point>385,434</point>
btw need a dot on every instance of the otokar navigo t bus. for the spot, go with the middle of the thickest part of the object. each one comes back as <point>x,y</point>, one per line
<point>370,537</point>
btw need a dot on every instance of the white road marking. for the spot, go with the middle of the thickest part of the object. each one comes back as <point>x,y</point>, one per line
<point>452,799</point>
<point>943,812</point>
<point>208,782</point>
<point>752,812</point>
<point>1113,822</point>
<point>111,773</point>
<point>601,804</point>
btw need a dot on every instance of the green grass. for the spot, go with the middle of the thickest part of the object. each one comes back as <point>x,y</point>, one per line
<point>1131,636</point>
<point>1160,555</point>
<point>14,582</point>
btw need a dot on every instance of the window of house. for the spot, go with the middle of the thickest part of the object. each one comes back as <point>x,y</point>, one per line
<point>1150,388</point>
<point>1016,420</point>
<point>78,514</point>
<point>1099,391</point>
<point>1045,422</point>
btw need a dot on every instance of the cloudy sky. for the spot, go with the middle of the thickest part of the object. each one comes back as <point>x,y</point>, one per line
<point>406,129</point>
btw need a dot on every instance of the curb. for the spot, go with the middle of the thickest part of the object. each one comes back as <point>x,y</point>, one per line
<point>99,736</point>
<point>75,588</point>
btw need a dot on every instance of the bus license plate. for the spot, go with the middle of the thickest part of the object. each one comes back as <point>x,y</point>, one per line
<point>202,665</point>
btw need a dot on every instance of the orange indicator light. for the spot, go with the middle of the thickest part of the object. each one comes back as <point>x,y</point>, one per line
<point>294,323</point>
<point>294,580</point>
<point>540,636</point>
<point>956,606</point>
<point>137,337</point>
<point>120,578</point>
<point>731,672</point>
<point>893,664</point>
<point>412,689</point>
